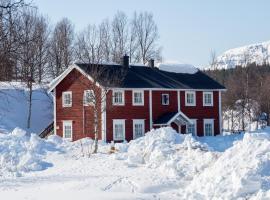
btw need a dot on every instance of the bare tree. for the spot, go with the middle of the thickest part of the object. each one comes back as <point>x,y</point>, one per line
<point>61,47</point>
<point>146,32</point>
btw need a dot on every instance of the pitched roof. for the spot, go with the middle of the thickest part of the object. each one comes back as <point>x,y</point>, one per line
<point>147,77</point>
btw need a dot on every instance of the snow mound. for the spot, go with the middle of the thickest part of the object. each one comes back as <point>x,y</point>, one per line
<point>175,154</point>
<point>177,68</point>
<point>241,171</point>
<point>21,153</point>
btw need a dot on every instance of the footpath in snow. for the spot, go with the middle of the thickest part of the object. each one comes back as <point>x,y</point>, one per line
<point>160,165</point>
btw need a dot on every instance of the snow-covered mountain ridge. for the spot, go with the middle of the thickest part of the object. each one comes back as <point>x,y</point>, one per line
<point>255,53</point>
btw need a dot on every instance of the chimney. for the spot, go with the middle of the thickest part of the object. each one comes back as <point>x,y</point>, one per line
<point>125,61</point>
<point>151,63</point>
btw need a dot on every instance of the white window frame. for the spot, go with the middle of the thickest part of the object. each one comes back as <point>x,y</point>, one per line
<point>84,97</point>
<point>194,95</point>
<point>138,121</point>
<point>65,123</point>
<point>63,99</point>
<point>208,121</point>
<point>163,103</point>
<point>194,122</point>
<point>206,104</point>
<point>133,97</point>
<point>123,97</point>
<point>122,122</point>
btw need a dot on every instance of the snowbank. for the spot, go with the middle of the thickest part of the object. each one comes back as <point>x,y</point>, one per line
<point>177,68</point>
<point>14,107</point>
<point>21,153</point>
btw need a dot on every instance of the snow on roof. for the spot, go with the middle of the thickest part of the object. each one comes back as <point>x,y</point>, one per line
<point>177,68</point>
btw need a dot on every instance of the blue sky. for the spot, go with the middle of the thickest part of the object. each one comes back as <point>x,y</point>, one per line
<point>189,29</point>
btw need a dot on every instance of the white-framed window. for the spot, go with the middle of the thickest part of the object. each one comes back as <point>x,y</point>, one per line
<point>138,97</point>
<point>67,129</point>
<point>118,129</point>
<point>88,97</point>
<point>118,97</point>
<point>208,125</point>
<point>190,98</point>
<point>138,128</point>
<point>67,99</point>
<point>165,99</point>
<point>207,98</point>
<point>192,128</point>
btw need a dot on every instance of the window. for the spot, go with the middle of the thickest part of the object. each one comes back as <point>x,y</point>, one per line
<point>88,97</point>
<point>190,98</point>
<point>208,127</point>
<point>138,128</point>
<point>165,99</point>
<point>67,129</point>
<point>192,128</point>
<point>138,97</point>
<point>67,99</point>
<point>208,99</point>
<point>118,97</point>
<point>118,129</point>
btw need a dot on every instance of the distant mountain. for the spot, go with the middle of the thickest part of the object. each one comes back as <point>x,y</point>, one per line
<point>255,53</point>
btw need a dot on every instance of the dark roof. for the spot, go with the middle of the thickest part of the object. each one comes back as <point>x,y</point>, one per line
<point>165,118</point>
<point>147,77</point>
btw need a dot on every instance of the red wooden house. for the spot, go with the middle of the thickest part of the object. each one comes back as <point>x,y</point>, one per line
<point>146,98</point>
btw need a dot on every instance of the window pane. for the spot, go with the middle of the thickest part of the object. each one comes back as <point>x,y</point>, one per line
<point>208,129</point>
<point>138,130</point>
<point>137,97</point>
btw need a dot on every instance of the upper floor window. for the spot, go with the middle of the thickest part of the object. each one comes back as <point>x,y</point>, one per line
<point>118,97</point>
<point>138,97</point>
<point>190,98</point>
<point>165,99</point>
<point>88,97</point>
<point>208,99</point>
<point>67,99</point>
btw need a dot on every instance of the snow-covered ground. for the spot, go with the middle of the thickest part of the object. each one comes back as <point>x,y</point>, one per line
<point>160,165</point>
<point>14,107</point>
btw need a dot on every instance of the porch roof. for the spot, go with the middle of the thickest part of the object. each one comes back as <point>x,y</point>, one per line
<point>177,117</point>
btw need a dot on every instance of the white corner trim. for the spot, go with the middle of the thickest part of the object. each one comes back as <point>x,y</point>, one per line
<point>220,112</point>
<point>212,99</point>
<point>103,117</point>
<point>178,101</point>
<point>133,97</point>
<point>150,110</point>
<point>194,95</point>
<point>54,112</point>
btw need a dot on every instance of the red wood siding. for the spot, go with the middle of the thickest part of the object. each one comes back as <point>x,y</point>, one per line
<point>201,112</point>
<point>127,112</point>
<point>78,113</point>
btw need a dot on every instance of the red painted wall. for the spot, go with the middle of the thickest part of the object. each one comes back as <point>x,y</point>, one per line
<point>82,124</point>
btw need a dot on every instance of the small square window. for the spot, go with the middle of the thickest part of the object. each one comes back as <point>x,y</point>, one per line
<point>190,98</point>
<point>88,97</point>
<point>67,99</point>
<point>138,97</point>
<point>165,99</point>
<point>208,99</point>
<point>118,97</point>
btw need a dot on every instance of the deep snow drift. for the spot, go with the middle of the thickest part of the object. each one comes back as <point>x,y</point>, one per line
<point>14,107</point>
<point>160,165</point>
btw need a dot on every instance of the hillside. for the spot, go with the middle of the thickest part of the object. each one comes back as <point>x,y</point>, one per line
<point>14,107</point>
<point>255,53</point>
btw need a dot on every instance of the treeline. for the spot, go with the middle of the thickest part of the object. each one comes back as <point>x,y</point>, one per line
<point>247,98</point>
<point>32,49</point>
